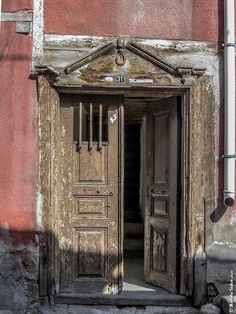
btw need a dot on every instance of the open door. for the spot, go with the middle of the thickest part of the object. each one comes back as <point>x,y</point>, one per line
<point>161,205</point>
<point>89,205</point>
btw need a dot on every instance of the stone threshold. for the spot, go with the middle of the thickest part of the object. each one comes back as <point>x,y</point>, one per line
<point>123,299</point>
<point>89,309</point>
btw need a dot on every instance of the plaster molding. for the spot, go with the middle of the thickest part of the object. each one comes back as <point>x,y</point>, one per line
<point>120,47</point>
<point>38,31</point>
<point>101,51</point>
<point>74,42</point>
<point>138,51</point>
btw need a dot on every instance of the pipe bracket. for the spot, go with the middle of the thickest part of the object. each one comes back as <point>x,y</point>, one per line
<point>228,156</point>
<point>228,45</point>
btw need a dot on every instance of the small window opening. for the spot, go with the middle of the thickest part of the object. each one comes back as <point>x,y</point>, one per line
<point>91,123</point>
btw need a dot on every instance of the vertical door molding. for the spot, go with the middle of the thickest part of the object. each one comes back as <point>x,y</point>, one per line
<point>49,140</point>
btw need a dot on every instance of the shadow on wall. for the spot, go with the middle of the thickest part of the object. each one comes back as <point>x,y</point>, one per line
<point>26,273</point>
<point>221,209</point>
<point>27,276</point>
<point>218,212</point>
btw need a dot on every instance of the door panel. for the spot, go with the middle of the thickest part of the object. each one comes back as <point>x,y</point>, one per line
<point>89,227</point>
<point>161,205</point>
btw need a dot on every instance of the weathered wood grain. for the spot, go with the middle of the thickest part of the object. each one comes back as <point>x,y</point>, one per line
<point>161,204</point>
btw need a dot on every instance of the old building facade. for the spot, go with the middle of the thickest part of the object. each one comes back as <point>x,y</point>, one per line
<point>112,137</point>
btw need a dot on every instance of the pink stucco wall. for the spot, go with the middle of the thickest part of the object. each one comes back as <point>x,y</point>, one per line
<point>16,5</point>
<point>168,19</point>
<point>18,132</point>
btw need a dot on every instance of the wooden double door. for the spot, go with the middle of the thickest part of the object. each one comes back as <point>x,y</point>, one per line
<point>90,210</point>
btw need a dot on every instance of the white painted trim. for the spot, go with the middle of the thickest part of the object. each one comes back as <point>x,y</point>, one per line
<point>61,38</point>
<point>38,31</point>
<point>69,41</point>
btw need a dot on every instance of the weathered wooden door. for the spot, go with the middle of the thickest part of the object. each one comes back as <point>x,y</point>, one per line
<point>161,205</point>
<point>89,202</point>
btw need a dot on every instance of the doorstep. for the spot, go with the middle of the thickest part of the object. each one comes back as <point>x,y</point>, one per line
<point>95,309</point>
<point>126,298</point>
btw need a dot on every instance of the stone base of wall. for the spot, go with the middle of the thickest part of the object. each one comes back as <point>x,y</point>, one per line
<point>18,279</point>
<point>221,271</point>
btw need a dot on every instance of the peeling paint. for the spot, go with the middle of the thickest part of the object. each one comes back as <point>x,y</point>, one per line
<point>39,213</point>
<point>72,42</point>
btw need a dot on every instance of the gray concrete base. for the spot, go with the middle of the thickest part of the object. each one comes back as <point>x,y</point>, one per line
<point>80,309</point>
<point>221,267</point>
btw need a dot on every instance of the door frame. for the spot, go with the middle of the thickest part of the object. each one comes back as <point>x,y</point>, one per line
<point>49,103</point>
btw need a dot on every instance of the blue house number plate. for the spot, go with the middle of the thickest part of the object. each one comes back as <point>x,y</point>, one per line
<point>120,79</point>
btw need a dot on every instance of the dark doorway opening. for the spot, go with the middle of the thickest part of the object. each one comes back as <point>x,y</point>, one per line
<point>134,142</point>
<point>133,220</point>
<point>132,174</point>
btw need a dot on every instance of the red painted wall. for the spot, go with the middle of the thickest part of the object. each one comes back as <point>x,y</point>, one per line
<point>18,132</point>
<point>164,19</point>
<point>16,5</point>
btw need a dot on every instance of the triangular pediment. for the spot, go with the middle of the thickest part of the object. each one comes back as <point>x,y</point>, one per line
<point>122,57</point>
<point>121,50</point>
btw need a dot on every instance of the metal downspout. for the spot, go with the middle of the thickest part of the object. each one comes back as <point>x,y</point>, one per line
<point>229,127</point>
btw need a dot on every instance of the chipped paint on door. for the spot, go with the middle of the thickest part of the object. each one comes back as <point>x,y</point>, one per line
<point>89,226</point>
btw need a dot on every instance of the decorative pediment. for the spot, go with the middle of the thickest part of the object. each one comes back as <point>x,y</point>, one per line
<point>137,50</point>
<point>119,52</point>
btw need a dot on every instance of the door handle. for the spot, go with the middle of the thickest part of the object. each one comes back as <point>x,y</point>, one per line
<point>158,192</point>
